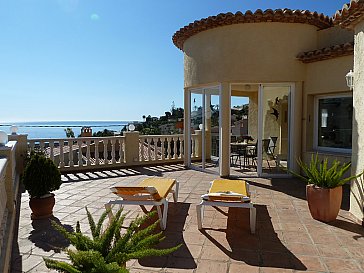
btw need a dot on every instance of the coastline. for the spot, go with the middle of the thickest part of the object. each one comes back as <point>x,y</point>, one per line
<point>55,129</point>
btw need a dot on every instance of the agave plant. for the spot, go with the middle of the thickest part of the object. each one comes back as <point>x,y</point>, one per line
<point>109,250</point>
<point>322,175</point>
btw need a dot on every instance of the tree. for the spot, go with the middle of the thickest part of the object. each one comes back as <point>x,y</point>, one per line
<point>69,132</point>
<point>148,118</point>
<point>168,114</point>
<point>177,113</point>
<point>104,133</point>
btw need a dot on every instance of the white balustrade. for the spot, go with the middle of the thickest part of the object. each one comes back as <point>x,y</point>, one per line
<point>193,146</point>
<point>90,153</point>
<point>82,153</point>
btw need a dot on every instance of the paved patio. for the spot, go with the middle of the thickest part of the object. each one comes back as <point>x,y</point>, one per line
<point>287,238</point>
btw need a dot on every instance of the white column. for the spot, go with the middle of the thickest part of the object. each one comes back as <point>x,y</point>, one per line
<point>225,129</point>
<point>186,128</point>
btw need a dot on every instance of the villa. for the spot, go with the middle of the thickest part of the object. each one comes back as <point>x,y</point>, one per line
<point>291,66</point>
<point>301,74</point>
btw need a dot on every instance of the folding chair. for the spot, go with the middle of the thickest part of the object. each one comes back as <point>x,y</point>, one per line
<point>151,191</point>
<point>227,193</point>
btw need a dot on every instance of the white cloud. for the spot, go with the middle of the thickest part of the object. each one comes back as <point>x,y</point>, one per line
<point>95,17</point>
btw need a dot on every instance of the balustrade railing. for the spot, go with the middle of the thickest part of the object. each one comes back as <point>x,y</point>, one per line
<point>83,152</point>
<point>73,154</point>
<point>161,148</point>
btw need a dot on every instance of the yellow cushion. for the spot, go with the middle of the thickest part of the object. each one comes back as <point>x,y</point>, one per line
<point>227,186</point>
<point>162,185</point>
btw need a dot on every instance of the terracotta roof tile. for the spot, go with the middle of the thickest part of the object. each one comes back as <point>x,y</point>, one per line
<point>326,53</point>
<point>350,14</point>
<point>279,15</point>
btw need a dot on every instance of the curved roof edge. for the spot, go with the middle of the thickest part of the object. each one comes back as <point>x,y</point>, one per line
<point>326,53</point>
<point>350,14</point>
<point>321,21</point>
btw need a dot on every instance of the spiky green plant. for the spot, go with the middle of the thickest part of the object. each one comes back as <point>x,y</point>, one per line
<point>319,172</point>
<point>108,250</point>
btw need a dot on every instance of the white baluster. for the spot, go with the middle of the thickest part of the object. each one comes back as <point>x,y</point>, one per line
<point>169,147</point>
<point>113,159</point>
<point>88,152</point>
<point>141,149</point>
<point>31,145</point>
<point>61,153</point>
<point>41,147</point>
<point>193,147</point>
<point>122,149</point>
<point>149,150</point>
<point>106,141</point>
<point>182,148</point>
<point>162,148</point>
<point>80,162</point>
<point>155,140</point>
<point>97,152</point>
<point>175,156</point>
<point>51,145</point>
<point>70,145</point>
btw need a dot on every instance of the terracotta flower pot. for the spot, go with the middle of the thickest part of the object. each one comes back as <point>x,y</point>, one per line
<point>324,203</point>
<point>42,207</point>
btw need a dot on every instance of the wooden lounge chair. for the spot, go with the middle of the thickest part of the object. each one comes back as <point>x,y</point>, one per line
<point>227,193</point>
<point>151,191</point>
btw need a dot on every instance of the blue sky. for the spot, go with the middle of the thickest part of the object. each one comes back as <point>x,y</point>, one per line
<point>102,60</point>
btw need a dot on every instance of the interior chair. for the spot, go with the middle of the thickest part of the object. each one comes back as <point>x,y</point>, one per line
<point>272,145</point>
<point>227,193</point>
<point>236,153</point>
<point>266,150</point>
<point>251,153</point>
<point>150,191</point>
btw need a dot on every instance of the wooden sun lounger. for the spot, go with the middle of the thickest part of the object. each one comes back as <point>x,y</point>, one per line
<point>227,193</point>
<point>151,191</point>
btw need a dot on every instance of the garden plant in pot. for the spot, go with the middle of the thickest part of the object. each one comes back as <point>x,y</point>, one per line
<point>41,177</point>
<point>324,186</point>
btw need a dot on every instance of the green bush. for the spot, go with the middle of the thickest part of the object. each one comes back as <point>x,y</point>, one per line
<point>322,175</point>
<point>41,176</point>
<point>109,250</point>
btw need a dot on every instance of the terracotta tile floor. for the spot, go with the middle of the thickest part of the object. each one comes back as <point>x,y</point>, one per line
<point>287,238</point>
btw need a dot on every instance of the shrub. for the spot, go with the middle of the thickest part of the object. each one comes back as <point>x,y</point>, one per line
<point>108,251</point>
<point>41,176</point>
<point>320,174</point>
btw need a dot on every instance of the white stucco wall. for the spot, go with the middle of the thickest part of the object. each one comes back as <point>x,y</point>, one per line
<point>254,52</point>
<point>334,36</point>
<point>357,186</point>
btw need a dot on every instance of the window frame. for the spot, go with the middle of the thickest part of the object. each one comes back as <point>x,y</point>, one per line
<point>316,124</point>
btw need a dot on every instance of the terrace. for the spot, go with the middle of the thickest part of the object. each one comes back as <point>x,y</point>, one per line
<point>287,238</point>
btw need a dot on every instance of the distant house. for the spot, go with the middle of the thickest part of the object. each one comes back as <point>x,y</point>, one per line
<point>240,127</point>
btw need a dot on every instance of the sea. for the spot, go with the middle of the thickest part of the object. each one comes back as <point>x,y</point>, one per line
<point>55,129</point>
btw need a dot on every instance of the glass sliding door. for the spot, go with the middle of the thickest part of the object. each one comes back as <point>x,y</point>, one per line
<point>212,127</point>
<point>196,125</point>
<point>274,135</point>
<point>244,129</point>
<point>204,128</point>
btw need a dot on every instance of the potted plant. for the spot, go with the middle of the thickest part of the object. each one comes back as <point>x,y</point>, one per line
<point>41,177</point>
<point>108,250</point>
<point>324,186</point>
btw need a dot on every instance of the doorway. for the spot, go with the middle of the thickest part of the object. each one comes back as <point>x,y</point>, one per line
<point>261,147</point>
<point>203,130</point>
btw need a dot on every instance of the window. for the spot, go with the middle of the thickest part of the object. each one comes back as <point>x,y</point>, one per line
<point>334,116</point>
